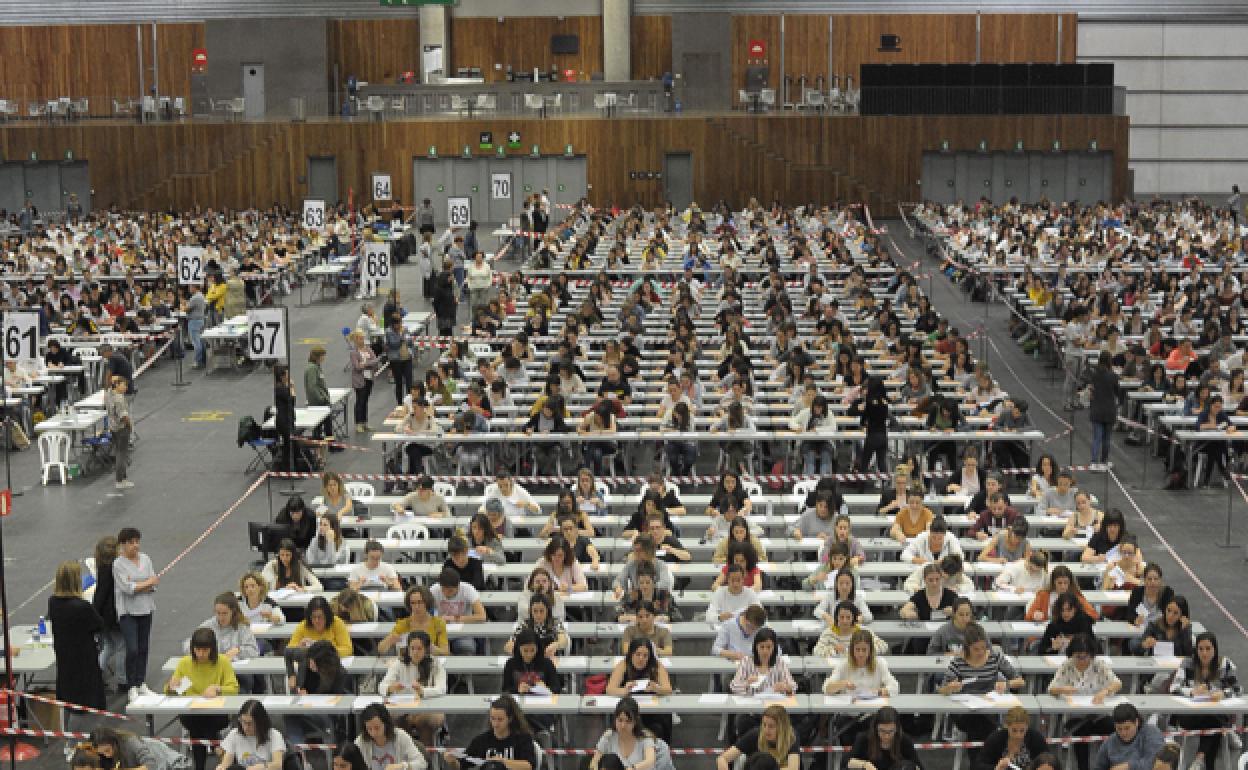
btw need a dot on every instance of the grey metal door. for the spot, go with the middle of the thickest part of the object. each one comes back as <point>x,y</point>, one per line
<point>678,178</point>
<point>253,90</point>
<point>702,89</point>
<point>570,181</point>
<point>1093,177</point>
<point>974,177</point>
<point>431,178</point>
<point>76,179</point>
<point>12,187</point>
<point>323,179</point>
<point>468,180</point>
<point>1009,177</point>
<point>939,175</point>
<point>43,182</point>
<point>536,176</point>
<point>1047,177</point>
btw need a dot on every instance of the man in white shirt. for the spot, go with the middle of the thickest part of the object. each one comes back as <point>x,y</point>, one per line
<point>458,602</point>
<point>373,573</point>
<point>932,544</point>
<point>730,600</point>
<point>516,499</point>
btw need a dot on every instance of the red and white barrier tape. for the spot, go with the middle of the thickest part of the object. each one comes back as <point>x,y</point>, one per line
<point>212,527</point>
<point>150,362</point>
<point>624,480</point>
<point>64,704</point>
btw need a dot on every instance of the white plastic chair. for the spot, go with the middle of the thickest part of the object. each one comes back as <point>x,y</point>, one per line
<point>444,488</point>
<point>767,97</point>
<point>801,490</point>
<point>753,490</point>
<point>481,349</point>
<point>179,107</point>
<point>54,454</point>
<point>407,532</point>
<point>113,338</point>
<point>487,102</point>
<point>361,491</point>
<point>743,96</point>
<point>641,493</point>
<point>460,104</point>
<point>8,109</point>
<point>534,102</point>
<point>149,108</point>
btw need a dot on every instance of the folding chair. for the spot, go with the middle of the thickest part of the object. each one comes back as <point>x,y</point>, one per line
<point>408,532</point>
<point>361,491</point>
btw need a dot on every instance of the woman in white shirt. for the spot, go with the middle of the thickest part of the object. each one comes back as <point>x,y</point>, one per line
<point>328,547</point>
<point>417,673</point>
<point>1025,576</point>
<point>383,746</point>
<point>254,744</point>
<point>861,671</point>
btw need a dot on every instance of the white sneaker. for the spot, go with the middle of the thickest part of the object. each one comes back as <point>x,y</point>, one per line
<point>143,690</point>
<point>127,484</point>
<point>131,694</point>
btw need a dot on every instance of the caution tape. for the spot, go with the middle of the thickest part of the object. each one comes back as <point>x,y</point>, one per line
<point>150,362</point>
<point>212,527</point>
<point>30,732</point>
<point>771,478</point>
<point>64,704</point>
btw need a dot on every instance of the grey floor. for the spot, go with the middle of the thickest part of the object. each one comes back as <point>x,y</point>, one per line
<point>188,471</point>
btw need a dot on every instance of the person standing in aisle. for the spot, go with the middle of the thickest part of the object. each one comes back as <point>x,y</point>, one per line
<point>112,644</point>
<point>74,626</point>
<point>284,415</point>
<point>1103,408</point>
<point>424,217</point>
<point>134,582</point>
<point>196,312</point>
<point>363,369</point>
<point>120,425</point>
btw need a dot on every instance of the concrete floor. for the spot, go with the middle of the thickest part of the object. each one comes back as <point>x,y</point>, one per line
<point>188,471</point>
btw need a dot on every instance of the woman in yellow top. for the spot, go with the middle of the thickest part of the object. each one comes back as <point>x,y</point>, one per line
<point>215,296</point>
<point>208,674</point>
<point>913,519</point>
<point>418,601</point>
<point>320,624</point>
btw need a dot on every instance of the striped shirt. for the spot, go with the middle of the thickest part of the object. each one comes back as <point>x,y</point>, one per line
<point>980,679</point>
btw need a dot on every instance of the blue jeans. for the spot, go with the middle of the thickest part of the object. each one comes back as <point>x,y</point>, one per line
<point>137,630</point>
<point>112,652</point>
<point>195,328</point>
<point>817,459</point>
<point>1101,433</point>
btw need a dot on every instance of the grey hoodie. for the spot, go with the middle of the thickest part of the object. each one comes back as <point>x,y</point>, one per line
<point>1138,754</point>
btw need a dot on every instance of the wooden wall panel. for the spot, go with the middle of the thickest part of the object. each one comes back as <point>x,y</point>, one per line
<point>524,43</point>
<point>1027,37</point>
<point>927,39</point>
<point>374,50</point>
<point>789,157</point>
<point>745,29</point>
<point>96,61</point>
<point>651,47</point>
<point>806,47</point>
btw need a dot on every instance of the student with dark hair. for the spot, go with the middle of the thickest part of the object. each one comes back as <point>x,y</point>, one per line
<point>508,741</point>
<point>419,673</point>
<point>1133,744</point>
<point>253,744</point>
<point>205,673</point>
<point>385,747</point>
<point>883,745</point>
<point>1015,744</point>
<point>1206,675</point>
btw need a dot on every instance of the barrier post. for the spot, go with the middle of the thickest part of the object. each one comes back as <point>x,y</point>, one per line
<point>1229,505</point>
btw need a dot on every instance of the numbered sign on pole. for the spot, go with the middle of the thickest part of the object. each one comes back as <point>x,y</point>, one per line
<point>314,215</point>
<point>382,191</point>
<point>377,262</point>
<point>459,211</point>
<point>190,265</point>
<point>266,333</point>
<point>500,185</point>
<point>21,337</point>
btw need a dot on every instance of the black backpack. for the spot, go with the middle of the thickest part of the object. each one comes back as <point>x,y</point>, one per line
<point>248,430</point>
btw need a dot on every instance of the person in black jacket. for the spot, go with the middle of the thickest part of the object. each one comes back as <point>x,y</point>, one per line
<point>112,645</point>
<point>1067,621</point>
<point>284,418</point>
<point>297,523</point>
<point>527,669</point>
<point>1103,409</point>
<point>74,624</point>
<point>873,409</point>
<point>470,568</point>
<point>321,673</point>
<point>883,746</point>
<point>1014,745</point>
<point>444,300</point>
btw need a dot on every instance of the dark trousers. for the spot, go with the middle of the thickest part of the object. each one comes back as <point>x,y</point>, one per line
<point>875,445</point>
<point>206,728</point>
<point>361,402</point>
<point>137,631</point>
<point>1090,726</point>
<point>402,378</point>
<point>1209,744</point>
<point>416,455</point>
